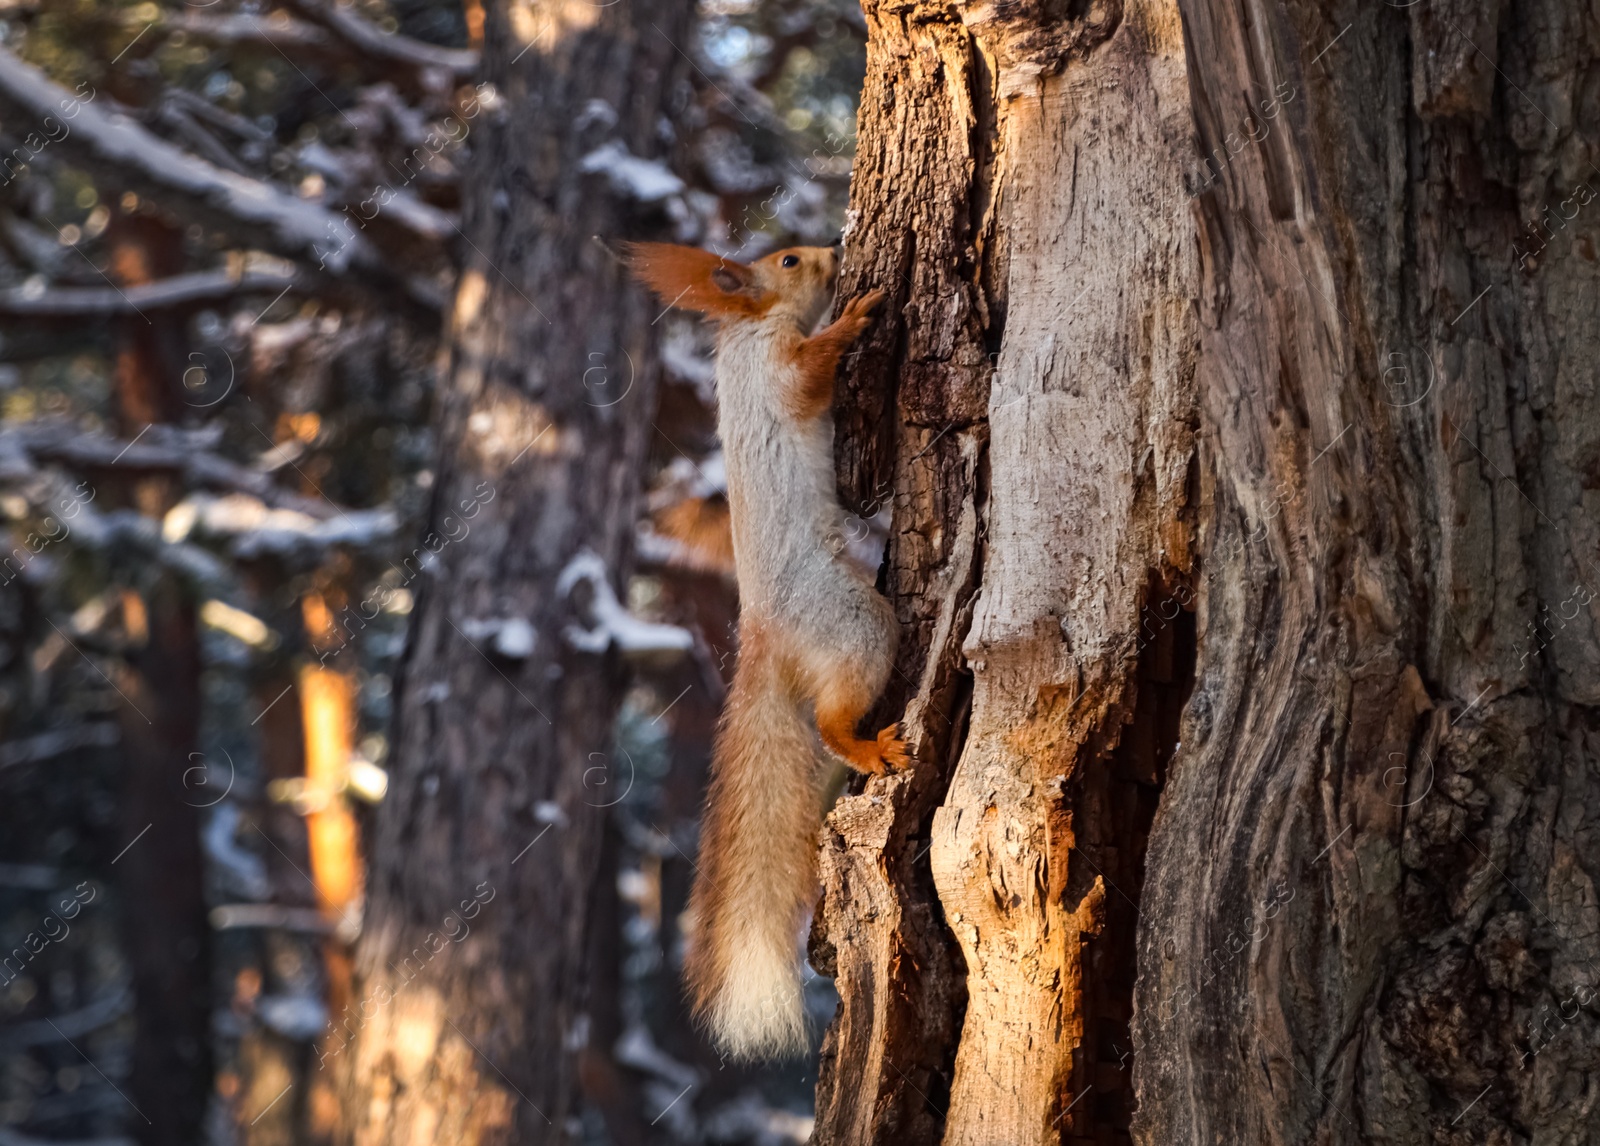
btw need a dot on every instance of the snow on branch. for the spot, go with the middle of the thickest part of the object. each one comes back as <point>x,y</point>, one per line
<point>337,36</point>
<point>613,624</point>
<point>235,29</point>
<point>252,528</point>
<point>643,179</point>
<point>231,916</point>
<point>514,638</point>
<point>158,448</point>
<point>112,146</point>
<point>39,301</point>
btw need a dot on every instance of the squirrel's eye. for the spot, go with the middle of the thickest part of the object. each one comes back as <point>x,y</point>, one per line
<point>791,260</point>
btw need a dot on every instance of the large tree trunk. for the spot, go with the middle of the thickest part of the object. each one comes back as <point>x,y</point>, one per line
<point>1232,473</point>
<point>1044,370</point>
<point>1371,914</point>
<point>469,992</point>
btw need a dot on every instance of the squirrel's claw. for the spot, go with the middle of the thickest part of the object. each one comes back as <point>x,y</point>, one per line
<point>896,756</point>
<point>863,305</point>
<point>857,313</point>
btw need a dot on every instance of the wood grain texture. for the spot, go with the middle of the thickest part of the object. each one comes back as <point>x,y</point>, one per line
<point>1090,444</point>
<point>1041,372</point>
<point>1369,914</point>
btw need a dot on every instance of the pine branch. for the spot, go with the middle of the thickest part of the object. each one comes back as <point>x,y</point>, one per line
<point>114,148</point>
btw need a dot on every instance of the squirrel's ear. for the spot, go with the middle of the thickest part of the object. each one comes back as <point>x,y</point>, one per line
<point>733,278</point>
<point>697,280</point>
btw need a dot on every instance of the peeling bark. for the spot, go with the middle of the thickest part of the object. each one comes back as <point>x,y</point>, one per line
<point>1089,451</point>
<point>1289,428</point>
<point>1043,373</point>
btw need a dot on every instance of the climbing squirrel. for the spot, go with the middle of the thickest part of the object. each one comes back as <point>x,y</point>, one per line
<point>816,640</point>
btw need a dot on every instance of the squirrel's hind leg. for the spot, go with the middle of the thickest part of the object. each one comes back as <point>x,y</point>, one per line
<point>845,697</point>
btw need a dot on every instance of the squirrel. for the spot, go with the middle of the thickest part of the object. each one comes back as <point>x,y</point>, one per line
<point>816,639</point>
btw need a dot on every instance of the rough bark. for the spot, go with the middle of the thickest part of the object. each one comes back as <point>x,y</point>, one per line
<point>1042,373</point>
<point>1339,404</point>
<point>909,427</point>
<point>1371,913</point>
<point>486,844</point>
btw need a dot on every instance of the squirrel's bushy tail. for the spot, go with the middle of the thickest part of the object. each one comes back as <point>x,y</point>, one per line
<point>756,874</point>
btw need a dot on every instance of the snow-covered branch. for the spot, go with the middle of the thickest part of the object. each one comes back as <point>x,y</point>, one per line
<point>113,147</point>
<point>30,301</point>
<point>252,528</point>
<point>230,29</point>
<point>613,624</point>
<point>159,448</point>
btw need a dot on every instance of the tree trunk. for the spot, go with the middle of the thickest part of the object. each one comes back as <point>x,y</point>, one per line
<point>469,991</point>
<point>1246,473</point>
<point>1371,914</point>
<point>165,933</point>
<point>1044,372</point>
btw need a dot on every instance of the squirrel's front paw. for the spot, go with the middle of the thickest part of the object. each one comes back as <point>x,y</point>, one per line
<point>860,308</point>
<point>896,757</point>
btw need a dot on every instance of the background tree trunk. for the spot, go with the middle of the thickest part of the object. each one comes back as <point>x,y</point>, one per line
<point>470,972</point>
<point>1285,446</point>
<point>164,925</point>
<point>166,937</point>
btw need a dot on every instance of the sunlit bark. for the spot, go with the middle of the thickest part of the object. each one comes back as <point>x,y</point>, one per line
<point>1237,423</point>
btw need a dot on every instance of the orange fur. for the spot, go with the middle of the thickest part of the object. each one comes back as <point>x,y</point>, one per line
<point>818,357</point>
<point>756,876</point>
<point>840,703</point>
<point>817,640</point>
<point>696,279</point>
<point>701,526</point>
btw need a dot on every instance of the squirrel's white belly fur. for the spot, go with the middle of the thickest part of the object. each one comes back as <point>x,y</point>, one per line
<point>793,567</point>
<point>796,565</point>
<point>819,624</point>
<point>816,640</point>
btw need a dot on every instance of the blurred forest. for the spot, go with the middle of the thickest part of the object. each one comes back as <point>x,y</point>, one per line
<point>229,234</point>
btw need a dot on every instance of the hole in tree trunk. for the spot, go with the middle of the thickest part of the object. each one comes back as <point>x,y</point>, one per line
<point>1118,805</point>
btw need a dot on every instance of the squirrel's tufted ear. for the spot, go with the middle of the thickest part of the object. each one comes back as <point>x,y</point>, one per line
<point>733,278</point>
<point>696,279</point>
